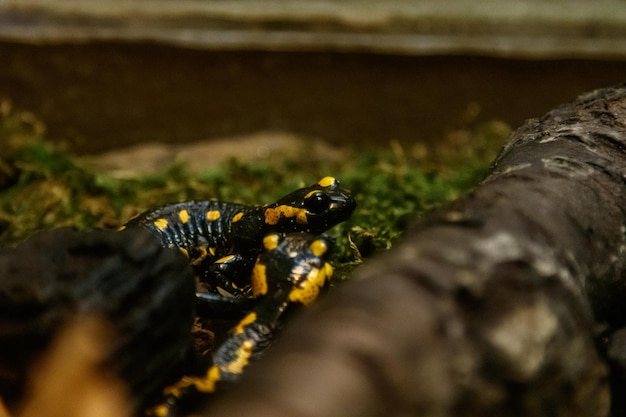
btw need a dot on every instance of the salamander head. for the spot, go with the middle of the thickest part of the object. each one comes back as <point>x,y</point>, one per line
<point>311,209</point>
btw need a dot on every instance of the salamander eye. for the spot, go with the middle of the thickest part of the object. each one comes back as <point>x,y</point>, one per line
<point>317,202</point>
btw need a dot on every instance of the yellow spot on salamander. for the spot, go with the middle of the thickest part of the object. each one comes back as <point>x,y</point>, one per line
<point>328,271</point>
<point>301,217</point>
<point>207,384</point>
<point>310,289</point>
<point>119,229</point>
<point>250,318</point>
<point>259,280</point>
<point>161,224</point>
<point>212,250</point>
<point>273,214</point>
<point>183,215</point>
<point>318,247</point>
<point>326,181</point>
<point>202,253</point>
<point>224,259</point>
<point>237,217</point>
<point>176,388</point>
<point>270,242</point>
<point>213,375</point>
<point>160,410</point>
<point>212,215</point>
<point>184,251</point>
<point>204,383</point>
<point>242,358</point>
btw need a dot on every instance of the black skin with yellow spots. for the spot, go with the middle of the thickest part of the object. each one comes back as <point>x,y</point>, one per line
<point>291,272</point>
<point>223,240</point>
<point>253,262</point>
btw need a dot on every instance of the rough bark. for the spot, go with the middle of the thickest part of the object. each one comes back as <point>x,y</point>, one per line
<point>127,278</point>
<point>491,307</point>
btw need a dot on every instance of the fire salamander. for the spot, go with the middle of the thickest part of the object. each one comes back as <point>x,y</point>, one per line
<point>253,262</point>
<point>291,272</point>
<point>223,240</point>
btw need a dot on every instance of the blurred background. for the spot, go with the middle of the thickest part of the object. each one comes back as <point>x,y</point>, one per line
<point>105,75</point>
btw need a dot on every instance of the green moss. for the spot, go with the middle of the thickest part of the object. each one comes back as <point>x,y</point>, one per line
<point>43,186</point>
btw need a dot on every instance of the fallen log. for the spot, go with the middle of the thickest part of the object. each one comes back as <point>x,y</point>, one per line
<point>493,306</point>
<point>58,283</point>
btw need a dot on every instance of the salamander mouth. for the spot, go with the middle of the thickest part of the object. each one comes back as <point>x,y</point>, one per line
<point>343,207</point>
<point>339,211</point>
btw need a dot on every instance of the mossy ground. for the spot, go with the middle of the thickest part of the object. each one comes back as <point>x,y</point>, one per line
<point>44,186</point>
